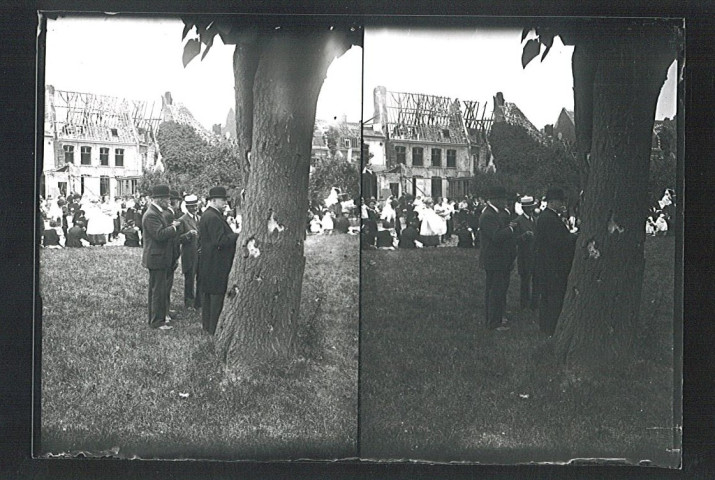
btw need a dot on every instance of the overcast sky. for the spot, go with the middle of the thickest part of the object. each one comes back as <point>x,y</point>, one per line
<point>141,59</point>
<point>475,64</point>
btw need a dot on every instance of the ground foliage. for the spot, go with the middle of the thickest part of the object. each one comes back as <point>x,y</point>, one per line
<point>435,385</point>
<point>110,381</point>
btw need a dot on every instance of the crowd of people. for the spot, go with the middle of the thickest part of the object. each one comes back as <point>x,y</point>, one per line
<point>336,213</point>
<point>89,220</point>
<point>538,235</point>
<point>170,226</point>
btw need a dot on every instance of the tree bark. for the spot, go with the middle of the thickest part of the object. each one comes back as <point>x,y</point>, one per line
<point>260,315</point>
<point>600,313</point>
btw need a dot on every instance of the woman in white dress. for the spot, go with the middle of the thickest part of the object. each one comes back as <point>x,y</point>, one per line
<point>433,226</point>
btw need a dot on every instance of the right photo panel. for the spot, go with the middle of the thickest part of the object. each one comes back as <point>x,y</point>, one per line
<point>521,243</point>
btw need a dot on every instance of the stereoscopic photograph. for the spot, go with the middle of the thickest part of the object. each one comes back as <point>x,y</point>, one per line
<point>520,230</point>
<point>199,229</point>
<point>379,240</point>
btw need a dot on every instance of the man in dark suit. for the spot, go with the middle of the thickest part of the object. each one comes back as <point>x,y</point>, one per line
<point>497,238</point>
<point>554,249</point>
<point>189,241</point>
<point>217,246</point>
<point>525,252</point>
<point>172,214</point>
<point>157,254</point>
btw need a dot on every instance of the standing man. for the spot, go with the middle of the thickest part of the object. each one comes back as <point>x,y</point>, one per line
<point>554,250</point>
<point>157,254</point>
<point>217,244</point>
<point>172,214</point>
<point>497,238</point>
<point>189,249</point>
<point>525,252</point>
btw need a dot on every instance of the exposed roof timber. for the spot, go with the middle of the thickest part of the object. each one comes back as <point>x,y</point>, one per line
<point>80,115</point>
<point>434,118</point>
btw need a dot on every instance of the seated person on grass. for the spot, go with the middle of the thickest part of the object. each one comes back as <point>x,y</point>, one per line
<point>51,236</point>
<point>76,234</point>
<point>464,234</point>
<point>409,238</point>
<point>385,239</point>
<point>342,223</point>
<point>131,235</point>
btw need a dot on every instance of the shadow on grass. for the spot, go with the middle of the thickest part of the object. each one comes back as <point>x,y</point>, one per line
<point>436,385</point>
<point>109,383</point>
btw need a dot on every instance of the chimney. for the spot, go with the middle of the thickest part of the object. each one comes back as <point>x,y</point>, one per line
<point>380,101</point>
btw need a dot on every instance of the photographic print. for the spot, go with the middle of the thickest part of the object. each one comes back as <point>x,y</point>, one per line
<point>199,223</point>
<point>519,243</point>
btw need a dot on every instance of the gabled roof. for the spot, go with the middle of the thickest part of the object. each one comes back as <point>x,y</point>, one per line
<point>178,112</point>
<point>508,112</point>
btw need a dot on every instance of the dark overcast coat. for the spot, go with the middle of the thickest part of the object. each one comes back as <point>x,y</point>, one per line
<point>217,244</point>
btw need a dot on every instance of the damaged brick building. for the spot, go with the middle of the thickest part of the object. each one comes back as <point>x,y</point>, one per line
<point>424,145</point>
<point>96,144</point>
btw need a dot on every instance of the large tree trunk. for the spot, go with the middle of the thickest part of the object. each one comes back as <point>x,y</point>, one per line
<point>600,313</point>
<point>260,315</point>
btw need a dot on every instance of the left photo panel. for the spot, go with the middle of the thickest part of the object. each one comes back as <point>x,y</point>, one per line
<point>197,217</point>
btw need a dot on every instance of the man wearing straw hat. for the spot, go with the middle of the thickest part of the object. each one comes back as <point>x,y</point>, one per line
<point>157,254</point>
<point>525,251</point>
<point>189,249</point>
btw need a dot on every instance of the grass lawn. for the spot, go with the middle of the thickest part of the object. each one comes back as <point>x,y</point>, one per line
<point>112,384</point>
<point>435,385</point>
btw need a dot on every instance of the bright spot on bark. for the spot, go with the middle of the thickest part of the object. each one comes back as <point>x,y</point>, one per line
<point>273,225</point>
<point>253,250</point>
<point>614,227</point>
<point>592,250</point>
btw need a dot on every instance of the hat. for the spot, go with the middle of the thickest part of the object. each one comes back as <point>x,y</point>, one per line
<point>527,201</point>
<point>217,192</point>
<point>555,194</point>
<point>174,194</point>
<point>159,191</point>
<point>497,192</point>
<point>191,200</point>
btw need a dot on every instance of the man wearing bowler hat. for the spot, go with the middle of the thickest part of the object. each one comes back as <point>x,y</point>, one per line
<point>172,213</point>
<point>525,251</point>
<point>554,249</point>
<point>157,254</point>
<point>497,237</point>
<point>217,245</point>
<point>189,241</point>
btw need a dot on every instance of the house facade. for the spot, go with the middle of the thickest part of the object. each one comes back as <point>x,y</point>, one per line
<point>423,145</point>
<point>96,145</point>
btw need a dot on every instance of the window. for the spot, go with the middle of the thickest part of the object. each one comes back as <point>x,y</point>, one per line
<point>103,185</point>
<point>436,157</point>
<point>85,155</point>
<point>118,157</point>
<point>417,157</point>
<point>115,133</point>
<point>445,133</point>
<point>346,142</point>
<point>451,159</point>
<point>69,153</point>
<point>401,154</point>
<point>104,156</point>
<point>126,186</point>
<point>436,187</point>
